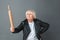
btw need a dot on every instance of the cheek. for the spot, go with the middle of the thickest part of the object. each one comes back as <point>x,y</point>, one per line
<point>31,16</point>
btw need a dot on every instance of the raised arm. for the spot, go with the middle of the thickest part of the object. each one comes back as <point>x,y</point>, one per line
<point>12,28</point>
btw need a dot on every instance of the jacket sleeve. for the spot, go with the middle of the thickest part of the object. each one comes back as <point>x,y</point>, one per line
<point>44,27</point>
<point>19,28</point>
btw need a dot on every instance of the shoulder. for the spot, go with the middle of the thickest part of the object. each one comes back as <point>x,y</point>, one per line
<point>38,20</point>
<point>24,21</point>
<point>42,22</point>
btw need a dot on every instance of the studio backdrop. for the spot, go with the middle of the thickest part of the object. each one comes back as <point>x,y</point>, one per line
<point>46,10</point>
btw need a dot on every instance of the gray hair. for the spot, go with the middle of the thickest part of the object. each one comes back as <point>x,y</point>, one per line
<point>33,13</point>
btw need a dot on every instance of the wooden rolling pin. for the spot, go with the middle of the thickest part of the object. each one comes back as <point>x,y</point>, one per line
<point>11,19</point>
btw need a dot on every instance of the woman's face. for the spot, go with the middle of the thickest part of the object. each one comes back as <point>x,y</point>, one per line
<point>29,15</point>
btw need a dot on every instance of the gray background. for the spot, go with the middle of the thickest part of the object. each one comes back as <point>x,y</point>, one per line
<point>46,10</point>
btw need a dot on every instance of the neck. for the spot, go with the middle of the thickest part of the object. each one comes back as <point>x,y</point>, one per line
<point>30,20</point>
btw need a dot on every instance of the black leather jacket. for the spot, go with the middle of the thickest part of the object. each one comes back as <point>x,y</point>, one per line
<point>40,28</point>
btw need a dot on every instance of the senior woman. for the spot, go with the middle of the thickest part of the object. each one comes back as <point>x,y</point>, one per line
<point>31,26</point>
